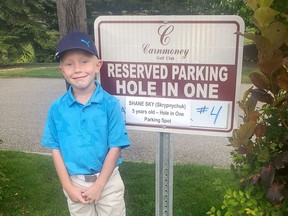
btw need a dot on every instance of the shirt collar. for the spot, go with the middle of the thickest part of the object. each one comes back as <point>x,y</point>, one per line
<point>97,96</point>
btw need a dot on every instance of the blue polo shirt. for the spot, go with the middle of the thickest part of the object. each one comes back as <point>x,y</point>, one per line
<point>85,133</point>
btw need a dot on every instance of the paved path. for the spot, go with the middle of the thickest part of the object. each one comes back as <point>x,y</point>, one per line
<point>24,103</point>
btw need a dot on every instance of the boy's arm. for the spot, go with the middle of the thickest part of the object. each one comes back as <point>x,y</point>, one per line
<point>93,193</point>
<point>73,192</point>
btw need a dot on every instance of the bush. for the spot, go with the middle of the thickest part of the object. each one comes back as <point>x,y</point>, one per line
<point>44,49</point>
<point>260,156</point>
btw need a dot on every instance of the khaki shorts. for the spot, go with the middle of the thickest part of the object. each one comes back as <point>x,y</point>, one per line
<point>111,202</point>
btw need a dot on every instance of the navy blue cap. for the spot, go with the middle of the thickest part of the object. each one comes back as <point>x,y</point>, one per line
<point>75,40</point>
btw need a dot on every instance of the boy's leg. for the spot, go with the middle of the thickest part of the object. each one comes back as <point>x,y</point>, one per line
<point>112,199</point>
<point>80,209</point>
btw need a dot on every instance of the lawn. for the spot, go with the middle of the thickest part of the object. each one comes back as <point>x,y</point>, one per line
<point>33,188</point>
<point>35,70</point>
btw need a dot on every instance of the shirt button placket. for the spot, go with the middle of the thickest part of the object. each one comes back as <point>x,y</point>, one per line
<point>83,119</point>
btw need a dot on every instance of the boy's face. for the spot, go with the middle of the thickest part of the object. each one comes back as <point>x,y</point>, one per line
<point>79,68</point>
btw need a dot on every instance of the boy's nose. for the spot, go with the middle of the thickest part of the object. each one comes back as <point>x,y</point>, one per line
<point>78,67</point>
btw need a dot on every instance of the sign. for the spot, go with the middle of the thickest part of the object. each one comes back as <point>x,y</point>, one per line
<point>175,74</point>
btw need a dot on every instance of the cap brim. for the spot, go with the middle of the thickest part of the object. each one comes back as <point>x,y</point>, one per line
<point>59,55</point>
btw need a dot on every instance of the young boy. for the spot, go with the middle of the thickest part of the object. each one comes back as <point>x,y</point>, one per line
<point>86,132</point>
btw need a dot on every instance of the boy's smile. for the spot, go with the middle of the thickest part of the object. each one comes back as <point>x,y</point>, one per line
<point>80,77</point>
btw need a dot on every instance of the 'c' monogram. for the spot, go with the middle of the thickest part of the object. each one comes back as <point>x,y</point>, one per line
<point>164,31</point>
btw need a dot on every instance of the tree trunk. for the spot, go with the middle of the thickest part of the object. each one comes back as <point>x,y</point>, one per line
<point>71,17</point>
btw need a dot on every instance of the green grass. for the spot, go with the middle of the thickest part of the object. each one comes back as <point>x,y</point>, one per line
<point>51,71</point>
<point>31,70</point>
<point>33,187</point>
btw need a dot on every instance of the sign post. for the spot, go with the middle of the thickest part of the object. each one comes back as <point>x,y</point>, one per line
<point>172,74</point>
<point>164,176</point>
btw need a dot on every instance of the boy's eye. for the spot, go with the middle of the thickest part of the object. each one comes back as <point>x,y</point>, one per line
<point>85,61</point>
<point>68,64</point>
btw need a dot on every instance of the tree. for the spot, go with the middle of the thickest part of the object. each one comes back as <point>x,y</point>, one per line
<point>23,28</point>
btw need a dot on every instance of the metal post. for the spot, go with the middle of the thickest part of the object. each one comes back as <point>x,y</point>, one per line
<point>164,176</point>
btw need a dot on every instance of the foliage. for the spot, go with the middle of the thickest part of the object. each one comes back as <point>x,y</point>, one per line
<point>44,48</point>
<point>163,7</point>
<point>260,156</point>
<point>34,23</point>
<point>248,202</point>
<point>24,23</point>
<point>97,8</point>
<point>238,7</point>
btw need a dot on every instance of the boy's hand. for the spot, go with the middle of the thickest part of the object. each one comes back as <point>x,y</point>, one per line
<point>93,193</point>
<point>75,194</point>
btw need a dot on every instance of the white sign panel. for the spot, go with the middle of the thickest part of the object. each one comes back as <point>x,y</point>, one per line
<point>151,111</point>
<point>178,74</point>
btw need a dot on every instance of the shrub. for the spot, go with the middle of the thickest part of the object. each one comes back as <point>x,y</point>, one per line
<point>44,49</point>
<point>260,156</point>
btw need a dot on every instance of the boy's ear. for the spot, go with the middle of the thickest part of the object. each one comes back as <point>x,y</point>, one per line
<point>60,69</point>
<point>99,65</point>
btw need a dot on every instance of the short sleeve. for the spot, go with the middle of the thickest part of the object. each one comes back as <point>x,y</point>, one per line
<point>118,136</point>
<point>50,136</point>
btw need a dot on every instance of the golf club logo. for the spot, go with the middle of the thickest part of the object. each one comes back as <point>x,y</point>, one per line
<point>164,31</point>
<point>164,51</point>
